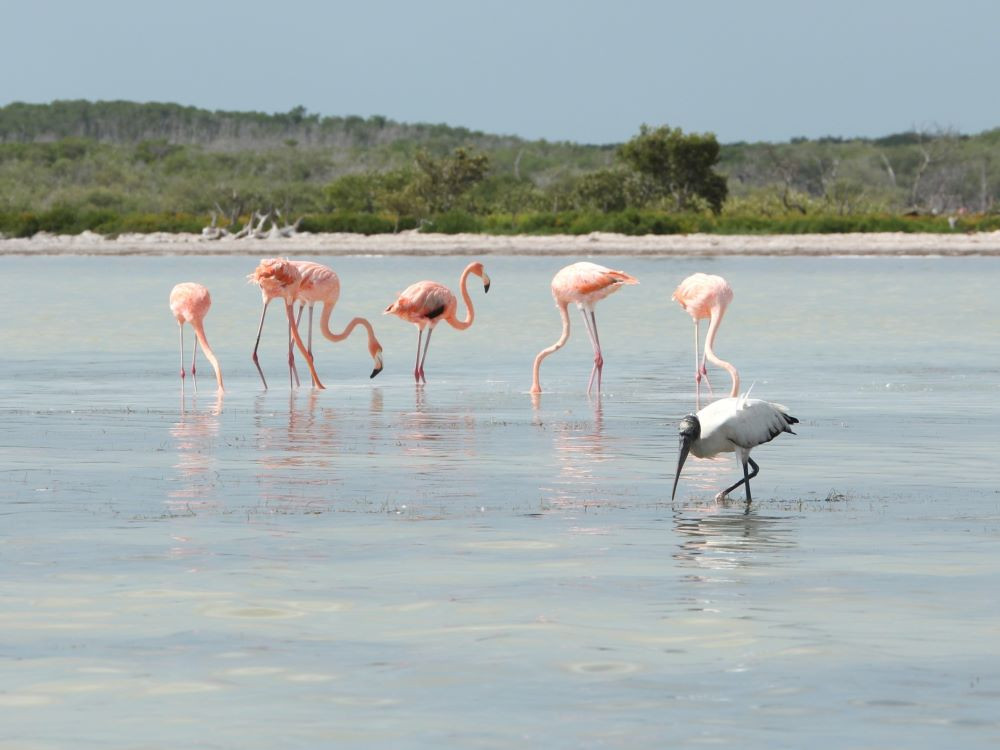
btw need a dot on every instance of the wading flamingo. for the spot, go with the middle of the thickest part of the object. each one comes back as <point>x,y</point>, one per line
<point>586,284</point>
<point>427,303</point>
<point>190,302</point>
<point>278,277</point>
<point>321,284</point>
<point>732,425</point>
<point>706,296</point>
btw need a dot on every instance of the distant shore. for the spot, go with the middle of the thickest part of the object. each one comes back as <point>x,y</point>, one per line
<point>596,244</point>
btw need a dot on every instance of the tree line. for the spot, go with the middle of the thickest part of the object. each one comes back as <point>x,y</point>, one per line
<point>122,166</point>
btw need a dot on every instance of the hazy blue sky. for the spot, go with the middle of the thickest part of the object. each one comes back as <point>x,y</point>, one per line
<point>576,70</point>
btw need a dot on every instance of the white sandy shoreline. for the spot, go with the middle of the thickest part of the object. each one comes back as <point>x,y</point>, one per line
<point>596,244</point>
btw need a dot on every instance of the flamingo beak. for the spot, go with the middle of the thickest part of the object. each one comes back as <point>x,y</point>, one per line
<point>486,283</point>
<point>685,447</point>
<point>378,365</point>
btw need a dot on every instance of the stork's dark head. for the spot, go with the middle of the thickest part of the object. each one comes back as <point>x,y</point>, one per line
<point>689,430</point>
<point>689,427</point>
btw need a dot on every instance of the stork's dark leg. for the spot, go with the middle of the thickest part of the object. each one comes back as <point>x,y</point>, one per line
<point>746,479</point>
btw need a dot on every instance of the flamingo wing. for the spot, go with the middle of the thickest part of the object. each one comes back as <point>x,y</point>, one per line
<point>588,282</point>
<point>425,300</point>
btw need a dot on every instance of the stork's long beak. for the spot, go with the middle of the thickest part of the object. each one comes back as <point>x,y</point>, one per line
<point>685,447</point>
<point>378,365</point>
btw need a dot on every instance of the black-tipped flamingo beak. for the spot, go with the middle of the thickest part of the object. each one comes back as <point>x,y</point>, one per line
<point>378,365</point>
<point>685,447</point>
<point>486,283</point>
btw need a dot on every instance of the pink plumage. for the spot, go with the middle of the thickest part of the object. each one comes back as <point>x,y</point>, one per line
<point>190,303</point>
<point>583,284</point>
<point>320,283</point>
<point>427,303</point>
<point>704,296</point>
<point>701,293</point>
<point>279,277</point>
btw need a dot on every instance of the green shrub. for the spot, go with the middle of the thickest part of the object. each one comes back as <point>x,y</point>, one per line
<point>453,222</point>
<point>353,222</point>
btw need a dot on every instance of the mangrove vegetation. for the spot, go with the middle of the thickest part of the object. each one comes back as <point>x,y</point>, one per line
<point>113,167</point>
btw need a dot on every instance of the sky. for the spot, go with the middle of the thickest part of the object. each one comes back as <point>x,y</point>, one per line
<point>580,70</point>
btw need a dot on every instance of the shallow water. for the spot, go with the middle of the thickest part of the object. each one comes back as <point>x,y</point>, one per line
<point>384,565</point>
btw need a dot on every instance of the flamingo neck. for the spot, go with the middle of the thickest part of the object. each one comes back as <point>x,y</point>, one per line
<point>199,331</point>
<point>455,322</point>
<point>710,355</point>
<point>324,326</point>
<point>536,386</point>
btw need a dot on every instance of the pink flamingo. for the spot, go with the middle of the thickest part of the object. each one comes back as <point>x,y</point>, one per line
<point>190,302</point>
<point>278,277</point>
<point>586,284</point>
<point>427,303</point>
<point>706,296</point>
<point>321,284</point>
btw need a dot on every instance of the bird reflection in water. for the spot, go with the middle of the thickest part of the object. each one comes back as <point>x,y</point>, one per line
<point>195,432</point>
<point>298,452</point>
<point>580,450</point>
<point>437,432</point>
<point>716,538</point>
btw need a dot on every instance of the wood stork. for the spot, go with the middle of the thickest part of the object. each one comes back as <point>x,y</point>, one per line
<point>734,424</point>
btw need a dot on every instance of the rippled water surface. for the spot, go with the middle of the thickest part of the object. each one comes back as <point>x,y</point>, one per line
<point>381,565</point>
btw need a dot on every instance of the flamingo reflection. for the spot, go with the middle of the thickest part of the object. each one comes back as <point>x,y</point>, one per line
<point>297,453</point>
<point>196,432</point>
<point>580,450</point>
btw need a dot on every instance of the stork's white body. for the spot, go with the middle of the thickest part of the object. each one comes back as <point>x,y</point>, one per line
<point>738,424</point>
<point>732,425</point>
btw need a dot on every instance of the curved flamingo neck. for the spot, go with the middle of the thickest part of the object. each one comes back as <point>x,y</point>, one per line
<point>713,328</point>
<point>536,386</point>
<point>199,331</point>
<point>463,287</point>
<point>324,326</point>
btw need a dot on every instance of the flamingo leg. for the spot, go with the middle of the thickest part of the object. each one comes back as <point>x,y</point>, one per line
<point>416,366</point>
<point>302,347</point>
<point>591,323</point>
<point>291,351</point>
<point>697,368</point>
<point>180,328</point>
<point>194,354</point>
<point>310,340</point>
<point>423,359</point>
<point>597,338</point>
<point>293,374</point>
<point>257,345</point>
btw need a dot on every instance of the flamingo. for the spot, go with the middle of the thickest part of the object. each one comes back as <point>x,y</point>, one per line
<point>427,303</point>
<point>585,284</point>
<point>706,296</point>
<point>321,284</point>
<point>734,424</point>
<point>278,277</point>
<point>190,302</point>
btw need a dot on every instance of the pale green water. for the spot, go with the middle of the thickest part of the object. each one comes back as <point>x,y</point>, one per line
<point>377,565</point>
